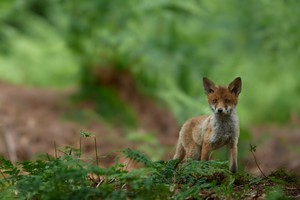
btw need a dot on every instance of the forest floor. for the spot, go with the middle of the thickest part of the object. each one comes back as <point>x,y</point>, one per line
<point>35,120</point>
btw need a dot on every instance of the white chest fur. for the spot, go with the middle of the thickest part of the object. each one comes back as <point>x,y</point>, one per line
<point>225,129</point>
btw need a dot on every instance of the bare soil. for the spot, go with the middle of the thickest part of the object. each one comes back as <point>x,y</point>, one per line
<point>32,121</point>
<point>277,147</point>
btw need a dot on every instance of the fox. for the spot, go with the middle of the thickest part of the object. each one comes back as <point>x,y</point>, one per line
<point>201,135</point>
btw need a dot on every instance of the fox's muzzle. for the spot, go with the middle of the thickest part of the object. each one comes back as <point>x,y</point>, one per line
<point>220,110</point>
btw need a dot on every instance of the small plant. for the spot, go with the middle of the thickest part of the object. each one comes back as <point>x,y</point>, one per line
<point>252,149</point>
<point>85,134</point>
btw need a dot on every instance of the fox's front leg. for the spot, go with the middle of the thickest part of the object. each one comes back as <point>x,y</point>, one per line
<point>192,151</point>
<point>205,152</point>
<point>232,154</point>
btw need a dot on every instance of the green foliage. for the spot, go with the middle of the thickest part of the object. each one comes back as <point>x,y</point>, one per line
<point>275,194</point>
<point>167,46</point>
<point>147,142</point>
<point>137,156</point>
<point>107,105</point>
<point>33,53</point>
<point>7,167</point>
<point>67,177</point>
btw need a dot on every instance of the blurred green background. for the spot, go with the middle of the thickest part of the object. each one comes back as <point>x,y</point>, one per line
<point>166,46</point>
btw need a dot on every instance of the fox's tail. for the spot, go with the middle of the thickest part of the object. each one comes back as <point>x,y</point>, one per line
<point>180,152</point>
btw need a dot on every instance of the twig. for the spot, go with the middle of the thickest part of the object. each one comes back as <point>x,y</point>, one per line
<point>290,188</point>
<point>252,151</point>
<point>96,150</point>
<point>80,147</point>
<point>9,143</point>
<point>100,182</point>
<point>123,186</point>
<point>294,197</point>
<point>55,149</point>
<point>3,174</point>
<point>112,180</point>
<point>48,156</point>
<point>95,182</point>
<point>209,195</point>
<point>97,162</point>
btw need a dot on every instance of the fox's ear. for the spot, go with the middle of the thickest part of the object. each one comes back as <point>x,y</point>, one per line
<point>208,85</point>
<point>235,86</point>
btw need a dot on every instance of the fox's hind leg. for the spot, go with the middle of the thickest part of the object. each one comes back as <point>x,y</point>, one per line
<point>180,152</point>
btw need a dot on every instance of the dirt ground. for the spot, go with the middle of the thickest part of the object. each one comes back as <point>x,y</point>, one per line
<point>32,121</point>
<point>277,147</point>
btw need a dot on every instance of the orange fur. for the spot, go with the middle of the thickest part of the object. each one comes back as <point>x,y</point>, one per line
<point>199,136</point>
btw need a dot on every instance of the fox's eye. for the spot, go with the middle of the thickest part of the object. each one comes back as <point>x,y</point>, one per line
<point>227,101</point>
<point>215,100</point>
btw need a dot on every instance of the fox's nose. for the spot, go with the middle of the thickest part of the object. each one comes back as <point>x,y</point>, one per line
<point>220,110</point>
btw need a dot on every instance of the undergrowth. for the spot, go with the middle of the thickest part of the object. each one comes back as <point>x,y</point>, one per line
<point>68,177</point>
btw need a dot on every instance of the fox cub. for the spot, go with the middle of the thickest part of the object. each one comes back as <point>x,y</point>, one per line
<point>199,136</point>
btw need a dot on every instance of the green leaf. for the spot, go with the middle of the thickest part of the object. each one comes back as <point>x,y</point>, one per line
<point>7,167</point>
<point>86,134</point>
